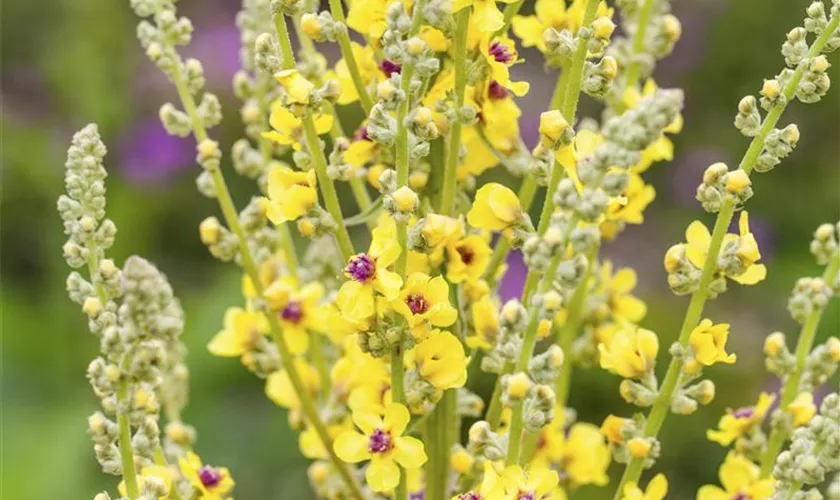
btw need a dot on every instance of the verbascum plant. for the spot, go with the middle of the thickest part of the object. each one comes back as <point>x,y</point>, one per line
<point>373,343</point>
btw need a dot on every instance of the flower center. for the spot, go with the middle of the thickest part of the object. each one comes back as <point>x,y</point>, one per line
<point>469,496</point>
<point>389,67</point>
<point>293,312</point>
<point>500,53</point>
<point>743,413</point>
<point>526,495</point>
<point>496,91</point>
<point>467,255</point>
<point>380,441</point>
<point>209,476</point>
<point>741,496</point>
<point>417,495</point>
<point>417,303</point>
<point>362,134</point>
<point>361,268</point>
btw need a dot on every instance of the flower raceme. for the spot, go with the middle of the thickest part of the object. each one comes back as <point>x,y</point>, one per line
<point>370,350</point>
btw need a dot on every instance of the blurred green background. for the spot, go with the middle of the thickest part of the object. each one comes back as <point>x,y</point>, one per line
<point>70,62</point>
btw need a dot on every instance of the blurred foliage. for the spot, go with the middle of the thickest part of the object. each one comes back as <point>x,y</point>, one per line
<point>69,62</point>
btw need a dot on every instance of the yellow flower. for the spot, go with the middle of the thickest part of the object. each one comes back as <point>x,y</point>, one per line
<point>552,14</point>
<point>611,428</point>
<point>381,442</point>
<point>279,388</point>
<point>468,258</point>
<point>300,314</point>
<point>485,318</point>
<point>699,238</point>
<point>496,207</point>
<point>537,482</point>
<point>709,343</point>
<point>211,483</point>
<point>802,408</point>
<point>630,353</point>
<point>242,332</point>
<point>440,360</point>
<point>639,447</point>
<point>737,423</point>
<point>618,288</point>
<point>424,302</point>
<point>657,488</point>
<point>368,273</point>
<point>368,18</point>
<point>580,452</point>
<point>500,54</point>
<point>157,472</point>
<point>583,146</point>
<point>740,479</point>
<point>355,368</point>
<point>485,16</point>
<point>630,206</point>
<point>491,487</point>
<point>291,194</point>
<point>298,89</point>
<point>288,128</point>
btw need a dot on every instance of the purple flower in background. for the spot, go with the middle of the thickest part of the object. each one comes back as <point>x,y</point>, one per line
<point>149,155</point>
<point>514,279</point>
<point>217,47</point>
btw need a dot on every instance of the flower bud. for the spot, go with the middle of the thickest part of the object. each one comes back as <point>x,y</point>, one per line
<point>832,346</point>
<point>774,344</point>
<point>639,447</point>
<point>405,200</point>
<point>552,125</point>
<point>518,385</point>
<point>771,89</point>
<point>737,181</point>
<point>705,392</point>
<point>461,461</point>
<point>603,28</point>
<point>92,306</point>
<point>674,257</point>
<point>310,25</point>
<point>671,27</point>
<point>209,230</point>
<point>415,46</point>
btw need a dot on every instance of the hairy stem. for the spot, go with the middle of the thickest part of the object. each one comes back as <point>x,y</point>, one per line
<point>365,100</point>
<point>447,199</point>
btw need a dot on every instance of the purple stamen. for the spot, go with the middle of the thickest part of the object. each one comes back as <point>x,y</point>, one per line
<point>496,91</point>
<point>362,134</point>
<point>526,495</point>
<point>380,441</point>
<point>209,476</point>
<point>500,53</point>
<point>740,496</point>
<point>389,67</point>
<point>417,495</point>
<point>743,413</point>
<point>417,304</point>
<point>293,312</point>
<point>469,496</point>
<point>361,268</point>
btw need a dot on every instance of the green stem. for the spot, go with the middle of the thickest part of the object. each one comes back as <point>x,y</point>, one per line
<point>642,21</point>
<point>230,214</point>
<point>566,334</point>
<point>313,144</point>
<point>510,11</point>
<point>494,409</point>
<point>447,199</point>
<point>126,455</point>
<point>398,396</point>
<point>514,436</point>
<point>791,386</point>
<point>316,350</point>
<point>347,53</point>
